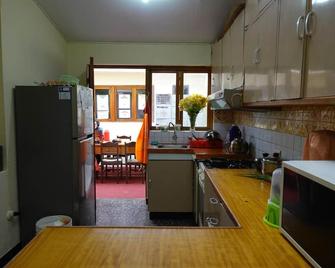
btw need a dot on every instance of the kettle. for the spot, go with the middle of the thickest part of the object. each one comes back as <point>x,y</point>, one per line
<point>234,133</point>
<point>238,145</point>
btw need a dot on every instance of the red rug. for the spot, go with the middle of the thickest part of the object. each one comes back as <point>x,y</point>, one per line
<point>111,189</point>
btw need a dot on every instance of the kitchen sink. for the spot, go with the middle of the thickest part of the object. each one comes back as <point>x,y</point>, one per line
<point>172,146</point>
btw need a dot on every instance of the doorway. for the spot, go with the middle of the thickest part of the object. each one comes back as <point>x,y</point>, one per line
<point>119,103</point>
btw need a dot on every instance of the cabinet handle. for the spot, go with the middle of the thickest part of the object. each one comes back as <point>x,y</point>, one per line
<point>308,30</point>
<point>213,201</point>
<point>299,33</point>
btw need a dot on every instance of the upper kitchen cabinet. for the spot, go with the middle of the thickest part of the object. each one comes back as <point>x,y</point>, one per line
<point>320,32</point>
<point>216,66</point>
<point>232,54</point>
<point>226,60</point>
<point>253,9</point>
<point>260,56</point>
<point>290,49</point>
<point>237,44</point>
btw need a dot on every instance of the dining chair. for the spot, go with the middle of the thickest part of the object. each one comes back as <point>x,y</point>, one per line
<point>110,157</point>
<point>132,164</point>
<point>124,138</point>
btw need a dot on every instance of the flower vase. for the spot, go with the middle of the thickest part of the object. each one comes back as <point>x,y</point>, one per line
<point>193,118</point>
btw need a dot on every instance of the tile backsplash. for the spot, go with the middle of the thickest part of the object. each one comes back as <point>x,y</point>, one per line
<point>273,131</point>
<point>292,120</point>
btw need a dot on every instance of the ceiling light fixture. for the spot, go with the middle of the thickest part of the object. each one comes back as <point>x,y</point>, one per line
<point>145,1</point>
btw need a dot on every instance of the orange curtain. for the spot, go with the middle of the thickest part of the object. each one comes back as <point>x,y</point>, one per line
<point>141,148</point>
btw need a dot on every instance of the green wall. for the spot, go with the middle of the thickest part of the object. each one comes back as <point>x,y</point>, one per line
<point>32,50</point>
<point>192,54</point>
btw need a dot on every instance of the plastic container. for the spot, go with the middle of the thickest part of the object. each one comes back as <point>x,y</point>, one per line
<point>69,79</point>
<point>106,135</point>
<point>273,209</point>
<point>56,220</point>
<point>271,217</point>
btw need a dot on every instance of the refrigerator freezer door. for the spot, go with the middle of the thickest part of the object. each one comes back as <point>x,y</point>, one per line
<point>84,184</point>
<point>82,111</point>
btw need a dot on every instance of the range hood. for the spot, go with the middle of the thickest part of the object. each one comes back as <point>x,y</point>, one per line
<point>226,99</point>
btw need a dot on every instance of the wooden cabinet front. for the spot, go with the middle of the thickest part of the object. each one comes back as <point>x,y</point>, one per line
<point>170,185</point>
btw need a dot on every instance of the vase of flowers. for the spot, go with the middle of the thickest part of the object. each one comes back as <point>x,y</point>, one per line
<point>193,104</point>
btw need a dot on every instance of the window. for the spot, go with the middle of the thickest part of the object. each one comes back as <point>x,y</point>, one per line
<point>169,87</point>
<point>102,104</point>
<point>119,103</point>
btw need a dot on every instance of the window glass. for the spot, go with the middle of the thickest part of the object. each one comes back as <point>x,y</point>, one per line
<point>124,104</point>
<point>102,104</point>
<point>140,103</point>
<point>196,83</point>
<point>163,98</point>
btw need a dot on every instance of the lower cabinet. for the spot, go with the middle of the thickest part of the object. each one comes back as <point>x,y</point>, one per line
<point>170,185</point>
<point>216,214</point>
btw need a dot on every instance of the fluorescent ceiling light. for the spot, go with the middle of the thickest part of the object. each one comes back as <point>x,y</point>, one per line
<point>145,1</point>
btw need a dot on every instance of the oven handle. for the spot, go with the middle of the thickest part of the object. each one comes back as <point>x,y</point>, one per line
<point>212,221</point>
<point>213,201</point>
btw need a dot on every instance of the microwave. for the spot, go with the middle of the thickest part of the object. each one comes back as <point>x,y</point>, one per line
<point>307,217</point>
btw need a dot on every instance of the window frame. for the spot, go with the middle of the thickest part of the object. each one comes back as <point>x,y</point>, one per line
<point>113,102</point>
<point>180,71</point>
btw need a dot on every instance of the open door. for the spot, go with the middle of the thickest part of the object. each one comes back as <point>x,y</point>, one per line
<point>90,74</point>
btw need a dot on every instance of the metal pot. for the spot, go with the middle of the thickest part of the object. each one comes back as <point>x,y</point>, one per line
<point>269,164</point>
<point>236,146</point>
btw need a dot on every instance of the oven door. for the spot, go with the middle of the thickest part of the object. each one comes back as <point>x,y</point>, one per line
<point>201,194</point>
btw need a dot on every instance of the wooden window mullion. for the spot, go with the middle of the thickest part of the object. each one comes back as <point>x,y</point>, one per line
<point>179,96</point>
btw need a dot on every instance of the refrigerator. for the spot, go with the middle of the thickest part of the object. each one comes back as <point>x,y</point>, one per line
<point>54,154</point>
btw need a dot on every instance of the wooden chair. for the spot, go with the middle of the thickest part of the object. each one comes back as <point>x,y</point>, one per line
<point>110,157</point>
<point>132,164</point>
<point>123,138</point>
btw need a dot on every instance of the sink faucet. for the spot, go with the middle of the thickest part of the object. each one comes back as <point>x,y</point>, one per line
<point>174,137</point>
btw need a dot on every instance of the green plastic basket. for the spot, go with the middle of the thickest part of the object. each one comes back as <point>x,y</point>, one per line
<point>271,217</point>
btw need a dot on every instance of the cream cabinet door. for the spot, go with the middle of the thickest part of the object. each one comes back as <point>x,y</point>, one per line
<point>237,43</point>
<point>290,49</point>
<point>262,3</point>
<point>251,11</point>
<point>321,45</point>
<point>226,60</point>
<point>216,66</point>
<point>260,56</point>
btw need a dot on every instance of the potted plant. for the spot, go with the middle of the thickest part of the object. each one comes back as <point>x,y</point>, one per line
<point>193,104</point>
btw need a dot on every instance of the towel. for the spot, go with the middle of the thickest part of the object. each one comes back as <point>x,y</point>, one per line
<point>141,147</point>
<point>320,145</point>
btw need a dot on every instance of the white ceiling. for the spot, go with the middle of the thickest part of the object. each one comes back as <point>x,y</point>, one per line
<point>135,21</point>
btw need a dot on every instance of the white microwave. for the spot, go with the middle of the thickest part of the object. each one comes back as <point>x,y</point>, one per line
<point>308,209</point>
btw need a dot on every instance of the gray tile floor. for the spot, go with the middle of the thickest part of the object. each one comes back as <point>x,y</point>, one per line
<point>133,212</point>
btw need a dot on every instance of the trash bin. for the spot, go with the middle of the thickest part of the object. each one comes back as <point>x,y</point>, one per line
<point>56,220</point>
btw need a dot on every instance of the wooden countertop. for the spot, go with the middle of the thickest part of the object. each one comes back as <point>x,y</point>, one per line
<point>253,245</point>
<point>199,153</point>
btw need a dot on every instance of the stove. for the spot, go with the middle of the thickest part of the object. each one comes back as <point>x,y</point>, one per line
<point>228,163</point>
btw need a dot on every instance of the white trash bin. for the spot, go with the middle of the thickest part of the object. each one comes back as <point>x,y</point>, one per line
<point>56,220</point>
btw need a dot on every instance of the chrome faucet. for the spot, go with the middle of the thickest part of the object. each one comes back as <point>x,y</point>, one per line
<point>174,137</point>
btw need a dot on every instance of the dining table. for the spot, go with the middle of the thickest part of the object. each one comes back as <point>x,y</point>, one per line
<point>122,148</point>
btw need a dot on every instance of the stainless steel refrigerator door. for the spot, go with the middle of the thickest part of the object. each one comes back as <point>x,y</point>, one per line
<point>85,206</point>
<point>82,111</point>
